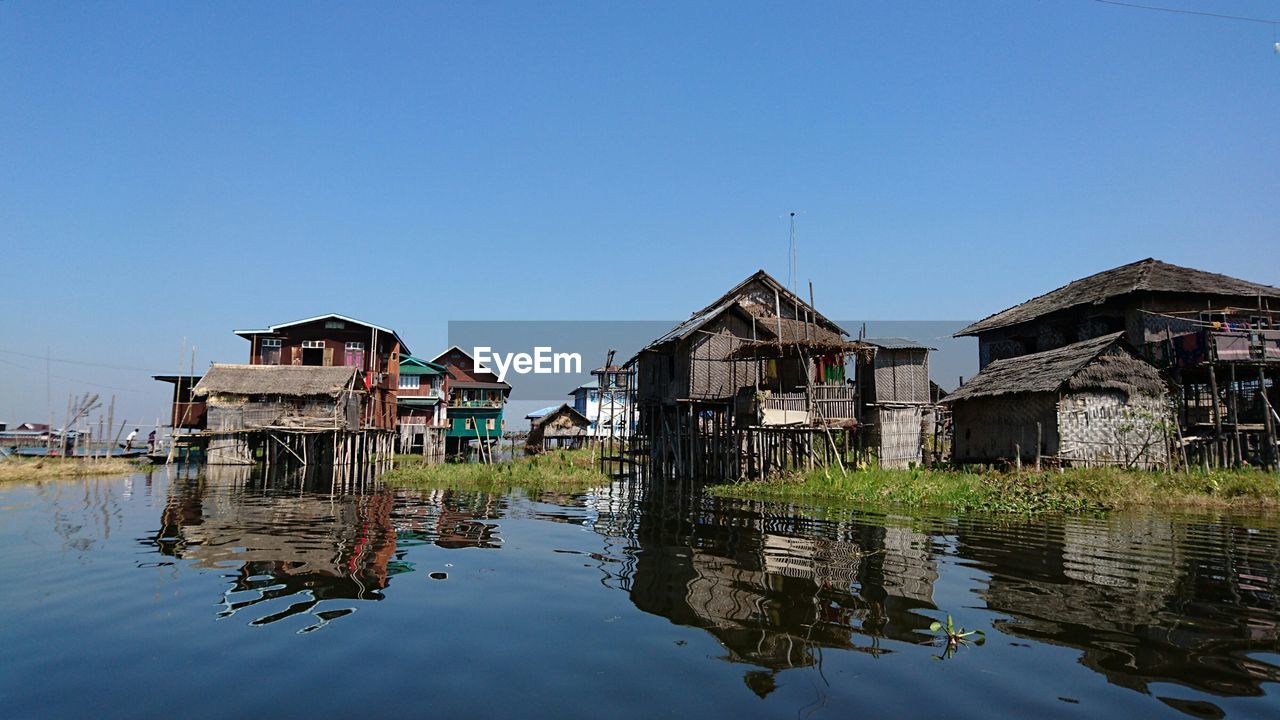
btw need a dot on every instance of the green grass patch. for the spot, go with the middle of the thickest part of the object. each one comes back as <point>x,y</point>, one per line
<point>1070,491</point>
<point>560,471</point>
<point>25,469</point>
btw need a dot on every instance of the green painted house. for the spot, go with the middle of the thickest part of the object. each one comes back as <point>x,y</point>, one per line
<point>420,407</point>
<point>475,401</point>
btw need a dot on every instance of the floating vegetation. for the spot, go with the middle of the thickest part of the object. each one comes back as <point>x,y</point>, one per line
<point>18,469</point>
<point>562,471</point>
<point>955,637</point>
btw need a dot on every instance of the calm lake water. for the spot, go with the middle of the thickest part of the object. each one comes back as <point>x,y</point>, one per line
<point>223,595</point>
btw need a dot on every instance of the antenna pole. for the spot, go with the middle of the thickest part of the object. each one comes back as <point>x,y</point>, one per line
<point>792,276</point>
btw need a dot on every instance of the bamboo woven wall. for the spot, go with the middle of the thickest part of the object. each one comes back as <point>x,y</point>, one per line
<point>1112,428</point>
<point>987,429</point>
<point>901,375</point>
<point>897,435</point>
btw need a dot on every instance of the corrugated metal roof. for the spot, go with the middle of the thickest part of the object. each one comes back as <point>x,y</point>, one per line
<point>541,412</point>
<point>477,385</point>
<point>897,343</point>
<point>410,365</point>
<point>417,401</point>
<point>404,348</point>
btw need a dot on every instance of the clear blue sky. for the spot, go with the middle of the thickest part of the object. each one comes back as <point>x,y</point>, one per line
<point>172,170</point>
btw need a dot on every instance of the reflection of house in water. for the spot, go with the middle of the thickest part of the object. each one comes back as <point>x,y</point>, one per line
<point>300,549</point>
<point>1146,600</point>
<point>447,518</point>
<point>774,591</point>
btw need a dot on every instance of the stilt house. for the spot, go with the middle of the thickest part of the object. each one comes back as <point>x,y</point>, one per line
<point>758,356</point>
<point>247,402</point>
<point>475,401</point>
<point>421,411</point>
<point>1217,338</point>
<point>561,427</point>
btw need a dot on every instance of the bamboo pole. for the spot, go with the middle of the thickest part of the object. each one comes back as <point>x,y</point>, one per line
<point>1269,424</point>
<point>1219,450</point>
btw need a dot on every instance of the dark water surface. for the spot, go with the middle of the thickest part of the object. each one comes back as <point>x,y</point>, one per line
<point>222,595</point>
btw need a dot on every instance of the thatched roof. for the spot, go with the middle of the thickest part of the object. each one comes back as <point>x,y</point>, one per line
<point>798,338</point>
<point>738,299</point>
<point>1148,275</point>
<point>287,380</point>
<point>1104,362</point>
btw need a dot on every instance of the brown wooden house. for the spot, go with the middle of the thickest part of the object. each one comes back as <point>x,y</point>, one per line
<point>333,341</point>
<point>757,357</point>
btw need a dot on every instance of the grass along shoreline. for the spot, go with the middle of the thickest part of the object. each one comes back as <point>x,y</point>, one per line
<point>559,470</point>
<point>19,469</point>
<point>1073,490</point>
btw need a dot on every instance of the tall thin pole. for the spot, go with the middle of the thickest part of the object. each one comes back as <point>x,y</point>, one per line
<point>793,275</point>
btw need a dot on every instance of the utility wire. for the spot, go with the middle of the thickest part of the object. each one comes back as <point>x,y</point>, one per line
<point>80,362</point>
<point>1182,11</point>
<point>70,379</point>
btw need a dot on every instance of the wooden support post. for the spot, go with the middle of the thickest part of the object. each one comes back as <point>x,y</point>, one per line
<point>1217,417</point>
<point>1039,443</point>
<point>1269,424</point>
<point>1233,393</point>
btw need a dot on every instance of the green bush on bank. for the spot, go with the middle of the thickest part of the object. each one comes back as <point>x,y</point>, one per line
<point>1069,491</point>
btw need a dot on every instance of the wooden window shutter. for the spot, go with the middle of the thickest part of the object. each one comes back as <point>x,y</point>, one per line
<point>328,356</point>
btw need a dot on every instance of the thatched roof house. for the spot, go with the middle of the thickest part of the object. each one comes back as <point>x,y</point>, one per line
<point>245,397</point>
<point>276,380</point>
<point>563,426</point>
<point>1134,298</point>
<point>1091,402</point>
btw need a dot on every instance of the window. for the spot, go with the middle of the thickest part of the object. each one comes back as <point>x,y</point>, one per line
<point>269,354</point>
<point>334,325</point>
<point>355,355</point>
<point>313,352</point>
<point>410,382</point>
<point>489,424</point>
<point>471,423</point>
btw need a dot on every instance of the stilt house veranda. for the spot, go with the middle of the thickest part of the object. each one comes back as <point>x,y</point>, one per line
<point>1094,402</point>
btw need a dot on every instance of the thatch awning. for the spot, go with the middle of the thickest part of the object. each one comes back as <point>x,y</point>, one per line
<point>766,349</point>
<point>1091,364</point>
<point>280,380</point>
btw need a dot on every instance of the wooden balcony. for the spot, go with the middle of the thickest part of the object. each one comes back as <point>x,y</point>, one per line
<point>828,402</point>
